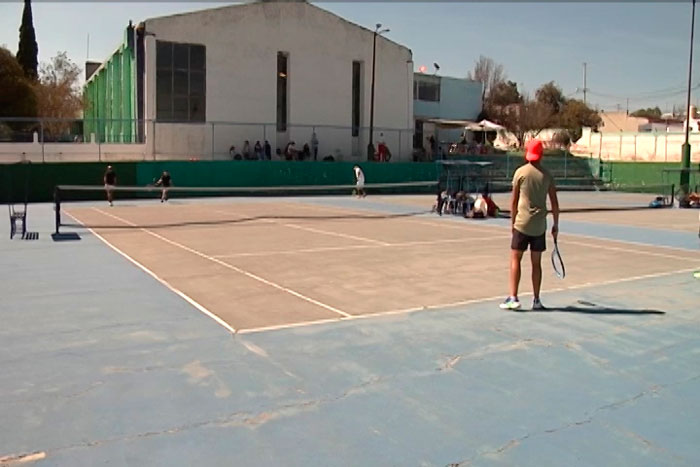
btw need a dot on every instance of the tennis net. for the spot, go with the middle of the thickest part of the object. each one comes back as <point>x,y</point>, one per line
<point>585,198</point>
<point>140,195</point>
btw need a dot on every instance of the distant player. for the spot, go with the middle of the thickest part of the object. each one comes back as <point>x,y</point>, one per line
<point>110,181</point>
<point>164,181</point>
<point>531,185</point>
<point>359,182</point>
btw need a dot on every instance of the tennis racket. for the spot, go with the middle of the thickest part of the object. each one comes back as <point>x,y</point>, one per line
<point>557,262</point>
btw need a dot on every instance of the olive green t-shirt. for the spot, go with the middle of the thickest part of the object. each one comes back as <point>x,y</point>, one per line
<point>534,181</point>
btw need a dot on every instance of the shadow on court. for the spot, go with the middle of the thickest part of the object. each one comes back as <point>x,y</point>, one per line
<point>243,220</point>
<point>594,309</point>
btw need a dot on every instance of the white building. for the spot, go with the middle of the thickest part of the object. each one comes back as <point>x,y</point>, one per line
<point>259,71</point>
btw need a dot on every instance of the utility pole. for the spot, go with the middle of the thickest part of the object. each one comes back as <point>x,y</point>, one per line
<point>628,106</point>
<point>685,158</point>
<point>584,83</point>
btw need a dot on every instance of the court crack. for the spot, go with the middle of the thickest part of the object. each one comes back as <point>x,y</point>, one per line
<point>250,420</point>
<point>451,360</point>
<point>587,419</point>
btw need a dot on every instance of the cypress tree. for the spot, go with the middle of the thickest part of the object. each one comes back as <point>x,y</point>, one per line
<point>28,51</point>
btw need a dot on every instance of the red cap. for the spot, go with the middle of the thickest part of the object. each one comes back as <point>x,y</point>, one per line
<point>534,150</point>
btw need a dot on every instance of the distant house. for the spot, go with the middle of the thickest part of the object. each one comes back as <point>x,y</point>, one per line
<point>615,122</point>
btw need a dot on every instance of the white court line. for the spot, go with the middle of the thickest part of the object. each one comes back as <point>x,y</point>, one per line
<point>229,266</point>
<point>626,250</point>
<point>336,234</point>
<point>360,247</point>
<point>443,306</point>
<point>313,230</point>
<point>452,225</point>
<point>178,292</point>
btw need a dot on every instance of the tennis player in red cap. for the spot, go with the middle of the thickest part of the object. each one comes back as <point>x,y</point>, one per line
<point>528,212</point>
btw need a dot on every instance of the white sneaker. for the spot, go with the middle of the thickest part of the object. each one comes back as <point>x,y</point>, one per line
<point>511,303</point>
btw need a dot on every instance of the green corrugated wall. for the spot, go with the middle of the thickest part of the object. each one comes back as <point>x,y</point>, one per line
<point>111,93</point>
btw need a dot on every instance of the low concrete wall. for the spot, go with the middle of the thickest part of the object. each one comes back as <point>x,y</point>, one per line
<point>72,152</point>
<point>650,147</point>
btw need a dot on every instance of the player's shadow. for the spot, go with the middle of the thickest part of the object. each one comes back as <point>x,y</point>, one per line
<point>594,309</point>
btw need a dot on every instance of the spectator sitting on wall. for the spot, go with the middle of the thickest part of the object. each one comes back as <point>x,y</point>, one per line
<point>258,151</point>
<point>246,150</point>
<point>268,150</point>
<point>236,156</point>
<point>290,152</point>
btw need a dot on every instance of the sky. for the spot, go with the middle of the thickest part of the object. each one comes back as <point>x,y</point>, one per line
<point>633,50</point>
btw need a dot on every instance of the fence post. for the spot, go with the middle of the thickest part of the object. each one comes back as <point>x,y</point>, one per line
<point>399,153</point>
<point>635,146</point>
<point>212,140</point>
<point>656,137</point>
<point>41,129</point>
<point>619,151</point>
<point>666,147</point>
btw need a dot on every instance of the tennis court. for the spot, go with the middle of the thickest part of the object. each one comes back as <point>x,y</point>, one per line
<point>260,264</point>
<point>331,330</point>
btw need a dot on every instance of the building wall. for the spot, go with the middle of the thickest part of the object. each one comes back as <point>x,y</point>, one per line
<point>460,99</point>
<point>242,42</point>
<point>110,93</point>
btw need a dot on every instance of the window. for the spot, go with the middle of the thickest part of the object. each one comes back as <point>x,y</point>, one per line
<point>356,76</point>
<point>282,88</point>
<point>426,88</point>
<point>180,82</point>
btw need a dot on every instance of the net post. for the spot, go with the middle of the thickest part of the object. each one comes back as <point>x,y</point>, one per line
<point>57,207</point>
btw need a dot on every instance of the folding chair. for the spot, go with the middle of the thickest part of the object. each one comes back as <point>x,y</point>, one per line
<point>15,216</point>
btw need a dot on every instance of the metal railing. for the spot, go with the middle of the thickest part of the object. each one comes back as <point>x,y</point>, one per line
<point>57,140</point>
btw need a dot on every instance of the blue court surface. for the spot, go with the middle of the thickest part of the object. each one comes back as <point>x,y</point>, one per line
<point>106,361</point>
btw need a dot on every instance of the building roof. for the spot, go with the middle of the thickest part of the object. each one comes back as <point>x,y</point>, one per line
<point>260,3</point>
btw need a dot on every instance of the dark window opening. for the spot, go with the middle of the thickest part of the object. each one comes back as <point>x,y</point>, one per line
<point>282,90</point>
<point>356,77</point>
<point>427,88</point>
<point>180,82</point>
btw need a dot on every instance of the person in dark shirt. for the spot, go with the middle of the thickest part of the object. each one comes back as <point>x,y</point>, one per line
<point>110,181</point>
<point>164,181</point>
<point>268,150</point>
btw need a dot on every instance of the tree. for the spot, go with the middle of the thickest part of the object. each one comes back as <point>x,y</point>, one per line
<point>503,94</point>
<point>647,113</point>
<point>576,115</point>
<point>550,95</point>
<point>17,96</point>
<point>489,74</point>
<point>28,50</point>
<point>527,118</point>
<point>58,93</point>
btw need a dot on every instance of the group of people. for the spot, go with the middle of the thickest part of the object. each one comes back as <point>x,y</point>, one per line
<point>480,207</point>
<point>259,152</point>
<point>262,152</point>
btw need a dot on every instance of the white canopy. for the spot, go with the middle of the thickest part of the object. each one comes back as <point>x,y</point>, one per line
<point>489,125</point>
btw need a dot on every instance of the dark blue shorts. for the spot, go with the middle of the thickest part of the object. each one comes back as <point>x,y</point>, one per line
<point>521,242</point>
